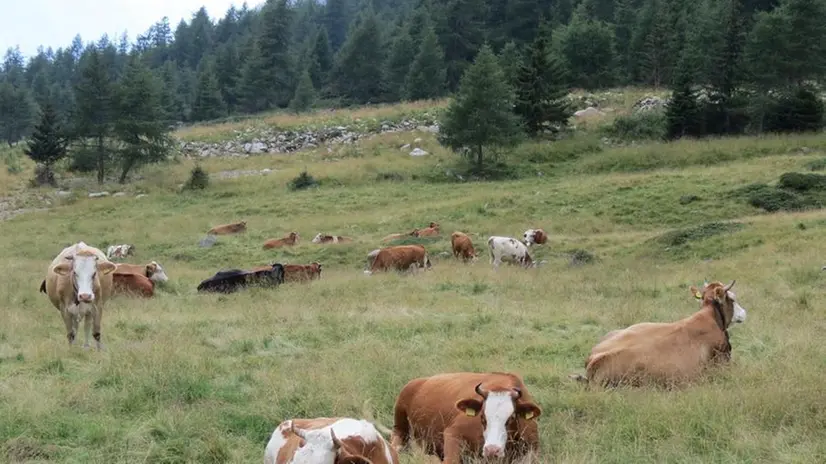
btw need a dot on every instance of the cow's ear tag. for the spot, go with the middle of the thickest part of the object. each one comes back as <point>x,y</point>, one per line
<point>528,415</point>
<point>698,295</point>
<point>470,412</point>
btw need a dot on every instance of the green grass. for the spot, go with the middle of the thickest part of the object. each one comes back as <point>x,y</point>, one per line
<point>205,378</point>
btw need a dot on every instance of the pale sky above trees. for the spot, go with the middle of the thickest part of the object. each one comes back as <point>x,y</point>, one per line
<point>54,23</point>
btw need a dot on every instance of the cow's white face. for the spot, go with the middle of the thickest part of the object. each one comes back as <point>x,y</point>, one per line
<point>528,237</point>
<point>84,270</point>
<point>318,447</point>
<point>739,313</point>
<point>317,238</point>
<point>159,275</point>
<point>498,409</point>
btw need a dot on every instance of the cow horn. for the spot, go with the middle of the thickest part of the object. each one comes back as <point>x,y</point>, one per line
<point>297,431</point>
<point>517,393</point>
<point>336,441</point>
<point>480,392</point>
<point>728,287</point>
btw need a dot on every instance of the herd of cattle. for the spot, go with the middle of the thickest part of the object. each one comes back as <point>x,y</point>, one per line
<point>450,415</point>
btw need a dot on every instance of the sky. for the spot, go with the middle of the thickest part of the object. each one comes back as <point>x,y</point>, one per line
<point>31,23</point>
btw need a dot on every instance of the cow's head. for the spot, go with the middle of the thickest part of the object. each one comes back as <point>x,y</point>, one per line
<point>242,225</point>
<point>414,232</point>
<point>500,413</point>
<point>316,267</point>
<point>534,237</point>
<point>155,272</point>
<point>434,225</point>
<point>716,293</point>
<point>317,238</point>
<point>322,446</point>
<point>83,268</point>
<point>294,237</point>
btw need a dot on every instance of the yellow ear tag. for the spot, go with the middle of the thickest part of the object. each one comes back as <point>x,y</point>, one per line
<point>528,415</point>
<point>698,295</point>
<point>470,412</point>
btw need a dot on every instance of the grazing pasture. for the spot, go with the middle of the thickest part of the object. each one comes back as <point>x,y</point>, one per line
<point>188,377</point>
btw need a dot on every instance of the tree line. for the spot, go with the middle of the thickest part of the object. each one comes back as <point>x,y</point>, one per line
<point>733,64</point>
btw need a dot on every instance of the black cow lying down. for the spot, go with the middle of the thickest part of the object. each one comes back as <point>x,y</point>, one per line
<point>234,279</point>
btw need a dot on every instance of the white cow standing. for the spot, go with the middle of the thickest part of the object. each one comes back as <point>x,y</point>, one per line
<point>509,249</point>
<point>78,283</point>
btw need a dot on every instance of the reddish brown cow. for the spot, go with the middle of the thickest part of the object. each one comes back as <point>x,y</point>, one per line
<point>321,238</point>
<point>391,237</point>
<point>226,229</point>
<point>328,440</point>
<point>133,284</point>
<point>400,258</point>
<point>479,414</point>
<point>462,246</point>
<point>153,271</point>
<point>667,353</point>
<point>431,231</point>
<point>289,240</point>
<point>297,272</point>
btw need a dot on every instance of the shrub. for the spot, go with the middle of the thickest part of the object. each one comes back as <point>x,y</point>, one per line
<point>682,236</point>
<point>816,165</point>
<point>644,125</point>
<point>303,181</point>
<point>198,179</point>
<point>800,182</point>
<point>796,112</point>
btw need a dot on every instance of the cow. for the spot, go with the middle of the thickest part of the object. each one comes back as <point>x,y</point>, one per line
<point>289,240</point>
<point>232,280</point>
<point>79,283</point>
<point>153,271</point>
<point>667,354</point>
<point>226,229</point>
<point>297,272</point>
<point>483,414</point>
<point>535,237</point>
<point>510,250</point>
<point>462,246</point>
<point>391,237</point>
<point>401,258</point>
<point>322,238</point>
<point>131,284</point>
<point>120,251</point>
<point>328,440</point>
<point>430,231</point>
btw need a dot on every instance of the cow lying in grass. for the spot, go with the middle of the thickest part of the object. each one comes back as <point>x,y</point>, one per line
<point>235,279</point>
<point>668,353</point>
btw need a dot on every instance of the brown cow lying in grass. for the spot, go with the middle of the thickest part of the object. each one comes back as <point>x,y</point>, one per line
<point>297,272</point>
<point>289,240</point>
<point>430,231</point>
<point>668,353</point>
<point>226,229</point>
<point>391,237</point>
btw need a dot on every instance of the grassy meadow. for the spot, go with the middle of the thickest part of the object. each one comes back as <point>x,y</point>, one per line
<point>188,378</point>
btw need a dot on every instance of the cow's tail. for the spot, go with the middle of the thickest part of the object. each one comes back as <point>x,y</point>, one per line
<point>490,248</point>
<point>43,286</point>
<point>367,413</point>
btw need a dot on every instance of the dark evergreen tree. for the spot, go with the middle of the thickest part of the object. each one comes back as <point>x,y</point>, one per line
<point>541,91</point>
<point>427,73</point>
<point>510,59</point>
<point>17,112</point>
<point>588,49</point>
<point>94,107</point>
<point>227,72</point>
<point>47,144</point>
<point>358,69</point>
<point>274,48</point>
<point>682,112</point>
<point>481,114</point>
<point>305,94</point>
<point>398,65</point>
<point>338,15</point>
<point>140,124</point>
<point>254,78</point>
<point>460,26</point>
<point>171,98</point>
<point>208,103</point>
<point>321,59</point>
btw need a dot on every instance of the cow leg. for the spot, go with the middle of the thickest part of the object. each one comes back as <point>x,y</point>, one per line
<point>68,319</point>
<point>452,448</point>
<point>98,314</point>
<point>87,328</point>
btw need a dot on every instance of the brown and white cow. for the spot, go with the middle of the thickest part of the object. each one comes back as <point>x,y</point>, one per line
<point>483,414</point>
<point>391,237</point>
<point>297,272</point>
<point>289,240</point>
<point>328,440</point>
<point>400,258</point>
<point>120,251</point>
<point>668,353</point>
<point>510,250</point>
<point>323,238</point>
<point>79,283</point>
<point>535,237</point>
<point>153,271</point>
<point>133,284</point>
<point>462,246</point>
<point>226,229</point>
<point>430,231</point>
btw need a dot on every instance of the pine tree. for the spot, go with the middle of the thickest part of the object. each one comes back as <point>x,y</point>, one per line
<point>481,115</point>
<point>540,90</point>
<point>139,125</point>
<point>47,144</point>
<point>510,59</point>
<point>274,48</point>
<point>17,112</point>
<point>208,103</point>
<point>321,59</point>
<point>305,94</point>
<point>682,112</point>
<point>357,73</point>
<point>427,73</point>
<point>95,106</point>
<point>588,49</point>
<point>171,99</point>
<point>398,65</point>
<point>252,87</point>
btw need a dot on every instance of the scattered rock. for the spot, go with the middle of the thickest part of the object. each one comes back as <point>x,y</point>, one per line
<point>418,152</point>
<point>63,193</point>
<point>119,194</point>
<point>589,112</point>
<point>649,103</point>
<point>404,147</point>
<point>140,195</point>
<point>98,194</point>
<point>208,241</point>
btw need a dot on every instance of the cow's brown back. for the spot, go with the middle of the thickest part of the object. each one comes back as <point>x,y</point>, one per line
<point>399,257</point>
